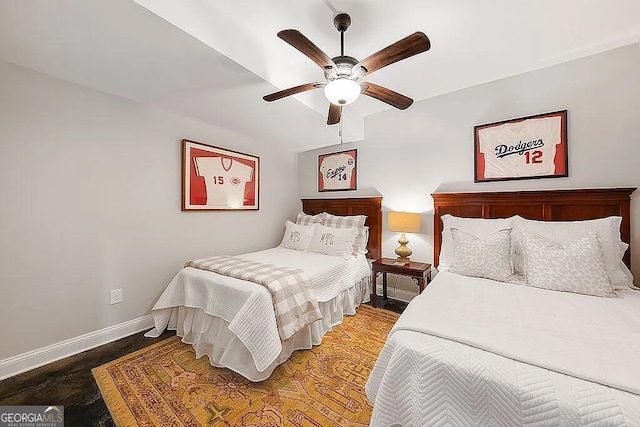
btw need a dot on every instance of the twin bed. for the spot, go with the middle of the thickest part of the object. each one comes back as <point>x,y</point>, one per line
<point>473,351</point>
<point>233,321</point>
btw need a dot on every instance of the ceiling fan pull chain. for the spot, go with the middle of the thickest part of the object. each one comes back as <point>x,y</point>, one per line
<point>340,131</point>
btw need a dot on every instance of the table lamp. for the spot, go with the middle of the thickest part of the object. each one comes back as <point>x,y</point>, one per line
<point>405,223</point>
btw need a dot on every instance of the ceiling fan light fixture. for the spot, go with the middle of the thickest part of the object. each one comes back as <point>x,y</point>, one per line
<point>342,91</point>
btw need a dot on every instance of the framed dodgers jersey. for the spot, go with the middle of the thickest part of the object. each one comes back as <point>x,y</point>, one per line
<point>523,148</point>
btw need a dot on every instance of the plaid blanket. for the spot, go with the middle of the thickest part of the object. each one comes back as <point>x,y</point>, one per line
<point>294,302</point>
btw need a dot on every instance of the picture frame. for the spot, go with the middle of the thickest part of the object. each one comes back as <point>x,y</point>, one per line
<point>524,148</point>
<point>215,178</point>
<point>338,171</point>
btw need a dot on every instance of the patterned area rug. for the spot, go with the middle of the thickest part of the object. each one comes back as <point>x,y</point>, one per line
<point>164,384</point>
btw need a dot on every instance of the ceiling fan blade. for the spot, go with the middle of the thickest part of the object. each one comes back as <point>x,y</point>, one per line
<point>335,111</point>
<point>306,46</point>
<point>292,91</point>
<point>411,45</point>
<point>388,96</point>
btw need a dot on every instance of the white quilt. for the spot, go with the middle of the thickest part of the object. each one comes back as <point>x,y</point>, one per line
<point>473,351</point>
<point>248,306</point>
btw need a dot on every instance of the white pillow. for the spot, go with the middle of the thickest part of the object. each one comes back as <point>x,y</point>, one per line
<point>579,267</point>
<point>333,241</point>
<point>566,232</point>
<point>351,221</point>
<point>479,227</point>
<point>297,236</point>
<point>305,219</point>
<point>489,257</point>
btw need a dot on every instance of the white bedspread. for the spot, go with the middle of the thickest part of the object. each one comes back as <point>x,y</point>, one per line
<point>248,306</point>
<point>477,352</point>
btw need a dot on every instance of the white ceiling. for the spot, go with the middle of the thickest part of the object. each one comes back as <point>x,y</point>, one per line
<point>214,60</point>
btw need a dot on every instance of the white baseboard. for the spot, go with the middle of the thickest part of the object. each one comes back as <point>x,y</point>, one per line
<point>397,294</point>
<point>34,359</point>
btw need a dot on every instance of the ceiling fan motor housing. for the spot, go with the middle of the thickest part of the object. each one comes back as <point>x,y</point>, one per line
<point>344,65</point>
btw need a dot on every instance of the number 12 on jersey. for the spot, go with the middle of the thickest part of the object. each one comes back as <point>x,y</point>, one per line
<point>533,157</point>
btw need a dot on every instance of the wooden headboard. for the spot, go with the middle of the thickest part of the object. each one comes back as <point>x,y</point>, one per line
<point>547,205</point>
<point>369,206</point>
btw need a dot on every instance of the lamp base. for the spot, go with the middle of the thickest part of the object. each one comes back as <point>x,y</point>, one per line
<point>403,251</point>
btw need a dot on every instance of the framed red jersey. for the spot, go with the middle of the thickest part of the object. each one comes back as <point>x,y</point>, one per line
<point>215,178</point>
<point>523,148</point>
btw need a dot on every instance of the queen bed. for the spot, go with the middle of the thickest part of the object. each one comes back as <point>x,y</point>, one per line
<point>478,351</point>
<point>236,323</point>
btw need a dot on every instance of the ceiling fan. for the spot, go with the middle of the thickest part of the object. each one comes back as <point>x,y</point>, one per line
<point>343,73</point>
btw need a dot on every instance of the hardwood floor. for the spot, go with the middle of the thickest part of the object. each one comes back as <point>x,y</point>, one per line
<point>69,381</point>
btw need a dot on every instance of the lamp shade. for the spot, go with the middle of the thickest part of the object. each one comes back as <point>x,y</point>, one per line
<point>404,222</point>
<point>342,91</point>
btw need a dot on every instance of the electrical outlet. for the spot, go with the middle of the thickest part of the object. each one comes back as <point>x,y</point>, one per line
<point>116,296</point>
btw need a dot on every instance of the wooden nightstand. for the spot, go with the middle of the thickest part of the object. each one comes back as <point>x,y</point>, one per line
<point>419,272</point>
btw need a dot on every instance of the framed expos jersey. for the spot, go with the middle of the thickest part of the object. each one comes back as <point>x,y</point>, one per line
<point>215,178</point>
<point>524,148</point>
<point>337,171</point>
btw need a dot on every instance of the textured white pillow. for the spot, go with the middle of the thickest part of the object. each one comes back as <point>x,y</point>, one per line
<point>333,241</point>
<point>479,227</point>
<point>489,257</point>
<point>305,219</point>
<point>579,267</point>
<point>566,232</point>
<point>297,236</point>
<point>351,221</point>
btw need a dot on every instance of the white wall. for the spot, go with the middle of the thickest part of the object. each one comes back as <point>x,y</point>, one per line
<point>407,155</point>
<point>90,190</point>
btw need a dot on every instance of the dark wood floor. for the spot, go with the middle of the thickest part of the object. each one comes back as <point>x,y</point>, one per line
<point>69,381</point>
